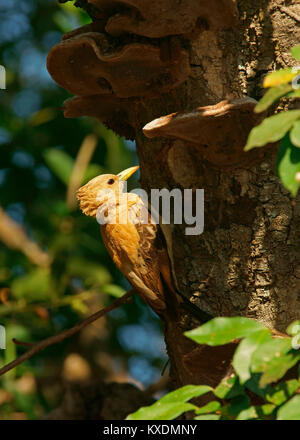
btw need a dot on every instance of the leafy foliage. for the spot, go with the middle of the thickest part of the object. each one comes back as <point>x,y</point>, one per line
<point>39,149</point>
<point>284,126</point>
<point>234,328</point>
<point>38,153</point>
<point>171,405</point>
<point>260,364</point>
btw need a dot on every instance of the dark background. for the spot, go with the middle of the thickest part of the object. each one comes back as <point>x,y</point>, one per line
<point>38,148</point>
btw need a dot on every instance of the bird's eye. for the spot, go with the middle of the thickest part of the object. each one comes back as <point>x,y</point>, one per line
<point>110,181</point>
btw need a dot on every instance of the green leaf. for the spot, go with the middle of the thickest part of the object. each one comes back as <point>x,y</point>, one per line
<point>244,352</point>
<point>295,134</point>
<point>272,129</point>
<point>185,393</point>
<point>229,388</point>
<point>295,51</point>
<point>265,410</point>
<point>273,359</point>
<point>172,404</point>
<point>118,156</point>
<point>236,405</point>
<point>255,412</point>
<point>60,163</point>
<point>291,410</point>
<point>282,391</point>
<point>210,407</point>
<point>253,384</point>
<point>282,76</point>
<point>208,417</point>
<point>160,411</point>
<point>113,290</point>
<point>271,96</point>
<point>35,286</point>
<point>288,165</point>
<point>64,18</point>
<point>93,274</point>
<point>269,350</point>
<point>26,403</point>
<point>248,414</point>
<point>294,328</point>
<point>43,116</point>
<point>19,332</point>
<point>93,170</point>
<point>275,394</point>
<point>294,94</point>
<point>221,331</point>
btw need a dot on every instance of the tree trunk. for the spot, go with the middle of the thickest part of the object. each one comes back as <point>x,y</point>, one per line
<point>246,263</point>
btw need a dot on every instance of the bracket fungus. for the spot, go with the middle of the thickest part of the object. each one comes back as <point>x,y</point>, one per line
<point>108,109</point>
<point>219,131</point>
<point>156,19</point>
<point>90,63</point>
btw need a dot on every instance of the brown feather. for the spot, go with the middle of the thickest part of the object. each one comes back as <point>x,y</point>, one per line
<point>134,246</point>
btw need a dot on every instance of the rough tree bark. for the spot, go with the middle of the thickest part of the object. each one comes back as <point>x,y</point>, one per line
<point>190,54</point>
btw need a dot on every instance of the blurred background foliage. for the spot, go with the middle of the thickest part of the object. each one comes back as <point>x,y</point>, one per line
<point>54,269</point>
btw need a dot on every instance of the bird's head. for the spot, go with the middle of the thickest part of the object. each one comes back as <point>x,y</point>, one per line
<point>92,195</point>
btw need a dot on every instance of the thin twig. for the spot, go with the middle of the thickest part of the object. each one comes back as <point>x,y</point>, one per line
<point>22,343</point>
<point>66,333</point>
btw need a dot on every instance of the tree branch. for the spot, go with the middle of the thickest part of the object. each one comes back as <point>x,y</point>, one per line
<point>22,343</point>
<point>35,348</point>
<point>15,237</point>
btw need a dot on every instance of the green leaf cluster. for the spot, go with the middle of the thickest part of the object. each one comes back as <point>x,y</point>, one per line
<point>284,126</point>
<point>261,362</point>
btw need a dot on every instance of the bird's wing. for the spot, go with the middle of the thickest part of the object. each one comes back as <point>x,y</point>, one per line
<point>133,249</point>
<point>148,262</point>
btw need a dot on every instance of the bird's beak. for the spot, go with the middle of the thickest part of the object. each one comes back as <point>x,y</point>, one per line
<point>124,175</point>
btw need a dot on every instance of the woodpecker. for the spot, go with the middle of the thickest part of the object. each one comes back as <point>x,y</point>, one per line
<point>134,246</point>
